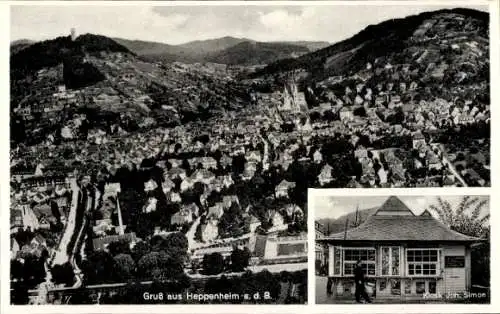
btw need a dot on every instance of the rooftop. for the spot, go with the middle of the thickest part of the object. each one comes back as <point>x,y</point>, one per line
<point>394,221</point>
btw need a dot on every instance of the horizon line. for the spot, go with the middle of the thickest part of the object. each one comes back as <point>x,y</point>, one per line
<point>181,44</point>
<point>463,7</point>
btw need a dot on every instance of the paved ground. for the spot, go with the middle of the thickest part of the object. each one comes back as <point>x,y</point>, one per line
<point>276,268</point>
<point>323,298</point>
<point>192,244</point>
<point>61,256</point>
<point>279,267</point>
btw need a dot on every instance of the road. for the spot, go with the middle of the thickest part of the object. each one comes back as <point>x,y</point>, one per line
<point>81,237</point>
<point>192,244</point>
<point>276,268</point>
<point>453,170</point>
<point>265,158</point>
<point>61,255</point>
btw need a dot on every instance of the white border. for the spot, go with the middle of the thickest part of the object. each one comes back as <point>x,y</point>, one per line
<point>310,307</point>
<point>253,2</point>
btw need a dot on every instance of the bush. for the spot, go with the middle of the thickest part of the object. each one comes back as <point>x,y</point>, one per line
<point>213,264</point>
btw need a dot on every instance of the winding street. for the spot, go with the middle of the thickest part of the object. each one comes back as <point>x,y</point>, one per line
<point>79,239</point>
<point>192,244</point>
<point>61,255</point>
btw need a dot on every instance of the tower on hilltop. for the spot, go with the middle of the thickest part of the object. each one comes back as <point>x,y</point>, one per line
<point>73,34</point>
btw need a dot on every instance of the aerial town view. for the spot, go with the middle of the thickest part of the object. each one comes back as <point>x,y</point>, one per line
<point>143,172</point>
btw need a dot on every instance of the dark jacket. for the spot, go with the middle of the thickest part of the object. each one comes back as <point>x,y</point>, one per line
<point>359,275</point>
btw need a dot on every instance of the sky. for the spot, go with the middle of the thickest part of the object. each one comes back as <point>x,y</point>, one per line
<point>336,206</point>
<point>179,24</point>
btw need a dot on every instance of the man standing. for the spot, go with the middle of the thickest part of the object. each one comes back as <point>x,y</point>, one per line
<point>359,277</point>
<point>329,286</point>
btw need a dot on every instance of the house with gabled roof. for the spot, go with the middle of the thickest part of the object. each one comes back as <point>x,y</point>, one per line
<point>203,175</point>
<point>216,211</point>
<point>325,175</point>
<point>282,189</point>
<point>103,242</point>
<point>418,140</point>
<point>150,205</point>
<point>150,185</point>
<point>208,162</point>
<point>226,161</point>
<point>317,156</point>
<point>167,185</point>
<point>174,197</point>
<point>209,230</point>
<point>402,254</point>
<point>182,217</point>
<point>228,200</point>
<point>253,156</point>
<point>175,173</point>
<point>16,220</point>
<point>14,248</point>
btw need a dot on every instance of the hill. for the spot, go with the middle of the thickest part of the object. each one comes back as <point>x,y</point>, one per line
<point>311,45</point>
<point>191,52</point>
<point>154,51</point>
<point>225,50</point>
<point>111,84</point>
<point>338,225</point>
<point>52,52</point>
<point>396,41</point>
<point>77,73</point>
<point>254,53</point>
<point>208,46</point>
<point>20,44</point>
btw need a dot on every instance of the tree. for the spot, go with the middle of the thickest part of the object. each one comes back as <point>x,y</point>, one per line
<point>175,242</point>
<point>125,267</point>
<point>360,111</point>
<point>185,165</point>
<point>314,116</point>
<point>330,116</point>
<point>33,271</point>
<point>19,294</point>
<point>119,247</point>
<point>161,266</point>
<point>99,267</point>
<point>232,221</point>
<point>217,155</point>
<point>238,164</point>
<point>63,274</point>
<point>55,210</point>
<point>467,218</point>
<point>198,188</point>
<point>132,199</point>
<point>263,282</point>
<point>16,270</point>
<point>240,259</point>
<point>213,264</point>
<point>148,265</point>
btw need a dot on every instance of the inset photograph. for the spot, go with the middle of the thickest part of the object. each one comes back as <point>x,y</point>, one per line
<point>402,249</point>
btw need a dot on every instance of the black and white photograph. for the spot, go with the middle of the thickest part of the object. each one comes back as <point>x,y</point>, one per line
<point>162,153</point>
<point>402,249</point>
